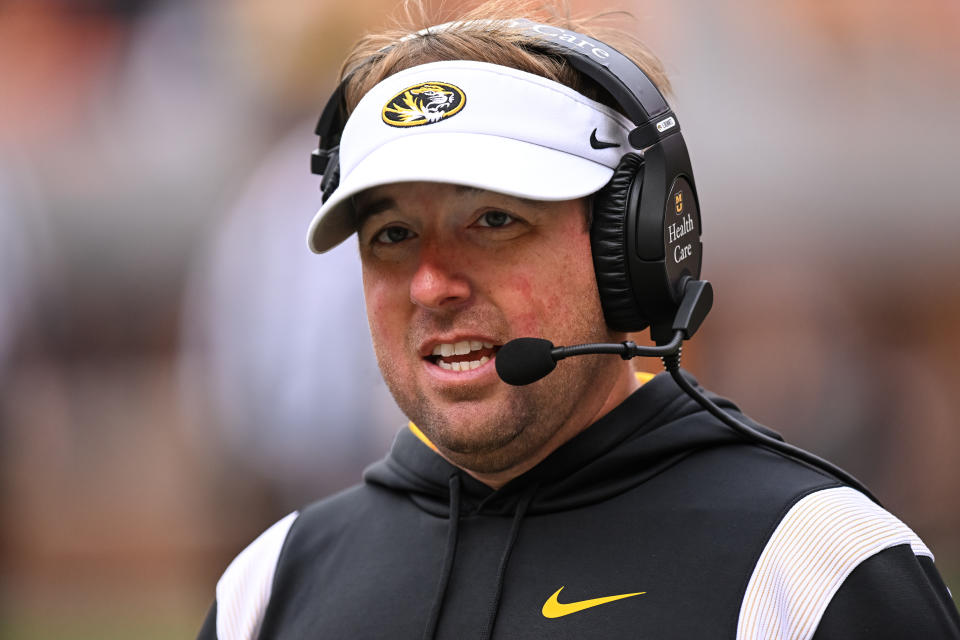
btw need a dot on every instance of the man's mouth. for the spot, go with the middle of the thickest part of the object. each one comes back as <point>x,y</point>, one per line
<point>463,355</point>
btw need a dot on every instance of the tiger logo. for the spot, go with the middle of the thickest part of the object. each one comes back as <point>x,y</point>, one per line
<point>423,103</point>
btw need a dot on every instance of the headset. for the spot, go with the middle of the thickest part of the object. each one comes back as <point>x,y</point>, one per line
<point>645,229</point>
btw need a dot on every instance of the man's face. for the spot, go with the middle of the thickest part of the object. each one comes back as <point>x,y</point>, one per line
<point>450,274</point>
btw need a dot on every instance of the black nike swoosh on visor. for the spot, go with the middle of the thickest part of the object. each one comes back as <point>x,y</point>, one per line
<point>600,144</point>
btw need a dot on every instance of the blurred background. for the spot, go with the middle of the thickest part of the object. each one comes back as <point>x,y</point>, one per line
<point>177,371</point>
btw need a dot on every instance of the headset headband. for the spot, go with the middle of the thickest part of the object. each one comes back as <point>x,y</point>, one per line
<point>632,89</point>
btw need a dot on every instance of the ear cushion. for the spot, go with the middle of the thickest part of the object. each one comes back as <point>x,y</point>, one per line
<point>608,238</point>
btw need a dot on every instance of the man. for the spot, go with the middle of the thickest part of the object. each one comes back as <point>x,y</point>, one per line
<point>479,171</point>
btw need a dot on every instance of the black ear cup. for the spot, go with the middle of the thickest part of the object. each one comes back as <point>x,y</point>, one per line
<point>612,207</point>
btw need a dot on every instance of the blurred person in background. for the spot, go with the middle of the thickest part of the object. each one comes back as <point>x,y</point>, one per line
<point>28,269</point>
<point>14,278</point>
<point>278,343</point>
<point>594,475</point>
<point>259,313</point>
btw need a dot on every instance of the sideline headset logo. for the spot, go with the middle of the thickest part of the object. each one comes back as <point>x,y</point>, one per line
<point>423,103</point>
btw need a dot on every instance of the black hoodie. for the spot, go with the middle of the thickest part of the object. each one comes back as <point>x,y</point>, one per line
<point>655,522</point>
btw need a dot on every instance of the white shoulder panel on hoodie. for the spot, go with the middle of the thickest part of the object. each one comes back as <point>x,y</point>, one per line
<point>243,590</point>
<point>816,546</point>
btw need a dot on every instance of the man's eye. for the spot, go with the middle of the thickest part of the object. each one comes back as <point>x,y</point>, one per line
<point>495,219</point>
<point>393,235</point>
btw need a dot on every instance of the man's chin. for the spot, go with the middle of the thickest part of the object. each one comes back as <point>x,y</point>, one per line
<point>484,430</point>
<point>470,438</point>
<point>472,431</point>
<point>486,457</point>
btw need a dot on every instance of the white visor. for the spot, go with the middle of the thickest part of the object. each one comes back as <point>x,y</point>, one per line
<point>473,124</point>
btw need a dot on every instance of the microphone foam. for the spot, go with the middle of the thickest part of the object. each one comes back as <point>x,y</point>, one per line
<point>524,360</point>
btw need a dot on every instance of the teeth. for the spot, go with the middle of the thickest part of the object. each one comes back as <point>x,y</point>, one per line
<point>463,366</point>
<point>461,348</point>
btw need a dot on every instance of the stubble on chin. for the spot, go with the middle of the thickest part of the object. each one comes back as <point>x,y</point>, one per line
<point>475,435</point>
<point>495,436</point>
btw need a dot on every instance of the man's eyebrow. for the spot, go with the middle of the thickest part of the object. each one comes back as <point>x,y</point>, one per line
<point>364,208</point>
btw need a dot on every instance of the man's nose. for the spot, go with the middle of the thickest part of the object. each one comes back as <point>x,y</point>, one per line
<point>439,282</point>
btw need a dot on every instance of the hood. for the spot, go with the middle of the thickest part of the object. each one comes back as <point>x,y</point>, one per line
<point>653,429</point>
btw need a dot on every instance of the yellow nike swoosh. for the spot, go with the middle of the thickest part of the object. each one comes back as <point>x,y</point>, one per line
<point>554,609</point>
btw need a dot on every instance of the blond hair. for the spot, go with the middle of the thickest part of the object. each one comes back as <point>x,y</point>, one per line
<point>482,34</point>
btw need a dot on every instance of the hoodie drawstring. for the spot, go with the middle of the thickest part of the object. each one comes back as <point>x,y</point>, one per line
<point>451,551</point>
<point>518,515</point>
